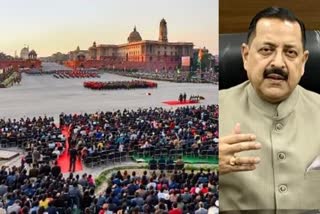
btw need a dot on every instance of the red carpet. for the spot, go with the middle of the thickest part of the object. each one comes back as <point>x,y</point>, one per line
<point>177,102</point>
<point>64,159</point>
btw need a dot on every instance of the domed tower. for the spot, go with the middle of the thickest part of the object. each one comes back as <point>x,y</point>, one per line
<point>93,51</point>
<point>24,53</point>
<point>32,54</point>
<point>163,31</point>
<point>134,36</point>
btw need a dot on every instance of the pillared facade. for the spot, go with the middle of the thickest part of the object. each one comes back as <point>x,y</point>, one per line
<point>27,60</point>
<point>136,53</point>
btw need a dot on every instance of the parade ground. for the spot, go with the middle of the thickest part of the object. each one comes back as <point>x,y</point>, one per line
<point>39,95</point>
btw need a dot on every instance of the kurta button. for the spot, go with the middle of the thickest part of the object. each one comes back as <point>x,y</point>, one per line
<point>279,126</point>
<point>283,188</point>
<point>281,155</point>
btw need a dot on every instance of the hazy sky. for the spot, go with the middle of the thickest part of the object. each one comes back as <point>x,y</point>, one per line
<point>49,26</point>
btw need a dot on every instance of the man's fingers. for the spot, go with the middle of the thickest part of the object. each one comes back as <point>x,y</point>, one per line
<point>237,138</point>
<point>247,160</point>
<point>244,146</point>
<point>227,168</point>
<point>236,129</point>
<point>248,167</point>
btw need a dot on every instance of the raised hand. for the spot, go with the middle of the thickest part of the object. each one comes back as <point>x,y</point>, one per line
<point>234,143</point>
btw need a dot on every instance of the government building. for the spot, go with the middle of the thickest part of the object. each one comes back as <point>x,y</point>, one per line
<point>28,59</point>
<point>135,54</point>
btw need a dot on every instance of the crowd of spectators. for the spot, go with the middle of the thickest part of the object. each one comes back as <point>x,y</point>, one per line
<point>9,77</point>
<point>154,192</point>
<point>4,75</point>
<point>39,137</point>
<point>188,129</point>
<point>48,191</point>
<point>158,192</point>
<point>38,186</point>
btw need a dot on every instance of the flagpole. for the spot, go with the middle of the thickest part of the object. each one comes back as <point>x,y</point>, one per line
<point>199,59</point>
<point>200,72</point>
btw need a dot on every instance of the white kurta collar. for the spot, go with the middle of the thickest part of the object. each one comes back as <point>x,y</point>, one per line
<point>276,111</point>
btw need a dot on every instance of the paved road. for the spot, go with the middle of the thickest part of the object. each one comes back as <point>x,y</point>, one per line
<point>52,66</point>
<point>45,95</point>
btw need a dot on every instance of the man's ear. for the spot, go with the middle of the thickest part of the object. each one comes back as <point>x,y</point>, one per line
<point>244,54</point>
<point>305,59</point>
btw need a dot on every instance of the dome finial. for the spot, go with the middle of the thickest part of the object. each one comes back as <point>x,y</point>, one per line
<point>134,36</point>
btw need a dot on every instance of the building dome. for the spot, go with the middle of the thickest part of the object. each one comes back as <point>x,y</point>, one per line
<point>32,53</point>
<point>24,50</point>
<point>81,54</point>
<point>134,36</point>
<point>24,53</point>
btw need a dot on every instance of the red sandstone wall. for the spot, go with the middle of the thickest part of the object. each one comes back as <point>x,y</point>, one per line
<point>20,63</point>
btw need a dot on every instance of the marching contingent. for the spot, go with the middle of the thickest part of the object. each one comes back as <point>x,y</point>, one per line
<point>76,74</point>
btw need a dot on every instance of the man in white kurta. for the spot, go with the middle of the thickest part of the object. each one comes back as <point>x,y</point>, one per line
<point>268,125</point>
<point>290,143</point>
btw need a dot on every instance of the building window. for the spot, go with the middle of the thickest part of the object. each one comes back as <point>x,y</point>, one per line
<point>150,58</point>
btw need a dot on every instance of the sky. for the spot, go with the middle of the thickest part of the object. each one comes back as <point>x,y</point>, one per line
<point>50,26</point>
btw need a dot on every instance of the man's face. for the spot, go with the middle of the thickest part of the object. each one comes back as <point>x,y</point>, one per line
<point>275,59</point>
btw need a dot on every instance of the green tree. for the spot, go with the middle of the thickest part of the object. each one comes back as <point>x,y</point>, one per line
<point>205,61</point>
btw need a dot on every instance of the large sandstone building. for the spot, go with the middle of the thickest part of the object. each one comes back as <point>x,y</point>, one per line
<point>136,53</point>
<point>28,59</point>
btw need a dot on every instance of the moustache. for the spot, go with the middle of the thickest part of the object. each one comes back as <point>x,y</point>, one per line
<point>277,71</point>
